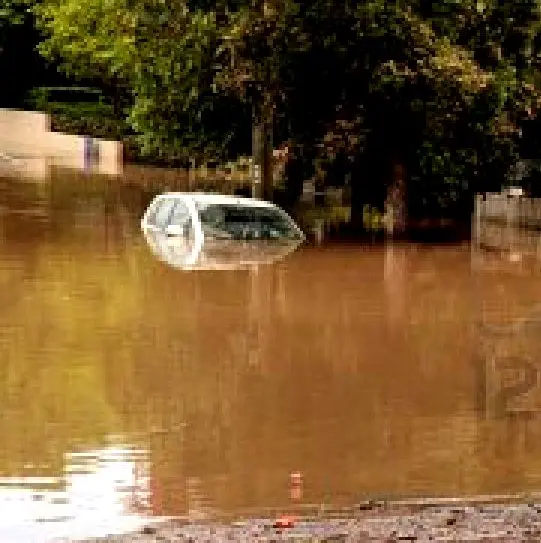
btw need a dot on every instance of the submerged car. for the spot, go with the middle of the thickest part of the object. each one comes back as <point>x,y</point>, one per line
<point>193,230</point>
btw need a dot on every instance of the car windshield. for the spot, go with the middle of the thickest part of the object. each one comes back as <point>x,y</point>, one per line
<point>243,222</point>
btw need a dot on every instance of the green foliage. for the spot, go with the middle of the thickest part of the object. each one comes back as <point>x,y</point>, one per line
<point>92,125</point>
<point>12,12</point>
<point>372,219</point>
<point>162,53</point>
<point>88,38</point>
<point>442,85</point>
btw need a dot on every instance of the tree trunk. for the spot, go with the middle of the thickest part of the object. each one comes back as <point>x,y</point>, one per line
<point>396,203</point>
<point>358,196</point>
<point>294,178</point>
<point>262,135</point>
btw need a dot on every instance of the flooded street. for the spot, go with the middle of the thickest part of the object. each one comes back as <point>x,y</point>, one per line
<point>343,372</point>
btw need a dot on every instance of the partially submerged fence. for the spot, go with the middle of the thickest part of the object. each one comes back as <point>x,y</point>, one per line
<point>229,178</point>
<point>509,207</point>
<point>508,222</point>
<point>506,250</point>
<point>29,148</point>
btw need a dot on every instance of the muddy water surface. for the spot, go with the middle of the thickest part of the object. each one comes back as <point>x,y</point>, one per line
<point>131,388</point>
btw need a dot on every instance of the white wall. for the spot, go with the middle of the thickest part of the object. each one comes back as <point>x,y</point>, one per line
<point>27,134</point>
<point>513,210</point>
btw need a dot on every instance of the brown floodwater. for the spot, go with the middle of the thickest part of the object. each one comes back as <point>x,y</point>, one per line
<point>355,371</point>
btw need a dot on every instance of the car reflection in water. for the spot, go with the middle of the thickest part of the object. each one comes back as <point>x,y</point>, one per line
<point>209,231</point>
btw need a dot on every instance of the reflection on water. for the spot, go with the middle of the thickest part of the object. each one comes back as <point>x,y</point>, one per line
<point>359,368</point>
<point>178,253</point>
<point>101,492</point>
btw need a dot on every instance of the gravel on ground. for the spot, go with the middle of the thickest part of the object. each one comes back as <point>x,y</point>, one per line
<point>370,521</point>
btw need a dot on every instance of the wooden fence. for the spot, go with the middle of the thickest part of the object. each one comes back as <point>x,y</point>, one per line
<point>507,222</point>
<point>509,208</point>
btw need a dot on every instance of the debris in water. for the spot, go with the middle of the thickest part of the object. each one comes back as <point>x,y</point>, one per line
<point>285,521</point>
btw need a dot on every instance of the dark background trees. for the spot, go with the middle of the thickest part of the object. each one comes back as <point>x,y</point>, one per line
<point>441,91</point>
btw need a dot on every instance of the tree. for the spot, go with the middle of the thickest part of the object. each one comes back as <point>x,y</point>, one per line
<point>408,83</point>
<point>163,54</point>
<point>438,89</point>
<point>18,38</point>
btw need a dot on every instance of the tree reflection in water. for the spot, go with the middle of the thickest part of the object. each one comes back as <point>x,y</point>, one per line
<point>363,383</point>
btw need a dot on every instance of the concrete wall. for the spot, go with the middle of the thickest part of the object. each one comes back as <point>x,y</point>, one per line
<point>111,157</point>
<point>37,168</point>
<point>21,128</point>
<point>25,134</point>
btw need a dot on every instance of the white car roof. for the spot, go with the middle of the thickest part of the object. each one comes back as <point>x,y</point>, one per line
<point>205,198</point>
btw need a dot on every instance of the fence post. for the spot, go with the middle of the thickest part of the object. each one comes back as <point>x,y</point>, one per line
<point>91,153</point>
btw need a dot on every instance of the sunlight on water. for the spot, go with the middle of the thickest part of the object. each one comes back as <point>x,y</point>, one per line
<point>101,492</point>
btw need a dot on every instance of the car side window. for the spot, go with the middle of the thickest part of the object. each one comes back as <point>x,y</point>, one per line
<point>163,212</point>
<point>181,216</point>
